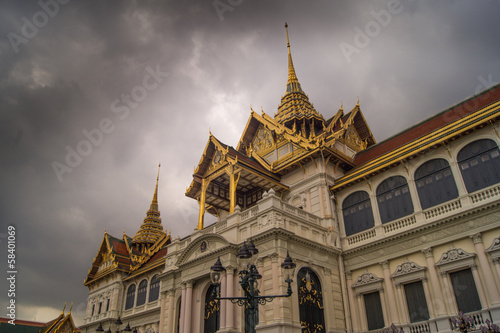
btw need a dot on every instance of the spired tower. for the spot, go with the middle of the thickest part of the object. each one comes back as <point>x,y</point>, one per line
<point>151,229</point>
<point>295,111</point>
<point>119,263</point>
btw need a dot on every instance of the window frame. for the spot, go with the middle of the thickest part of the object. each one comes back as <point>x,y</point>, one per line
<point>142,291</point>
<point>471,174</point>
<point>130,297</point>
<point>352,225</point>
<point>400,205</point>
<point>440,193</point>
<point>156,291</point>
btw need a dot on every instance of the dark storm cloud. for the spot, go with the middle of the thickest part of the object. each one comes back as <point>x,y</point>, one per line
<point>88,57</point>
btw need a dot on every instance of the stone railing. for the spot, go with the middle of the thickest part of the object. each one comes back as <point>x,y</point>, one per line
<point>423,217</point>
<point>361,237</point>
<point>486,194</point>
<point>442,209</point>
<point>399,224</point>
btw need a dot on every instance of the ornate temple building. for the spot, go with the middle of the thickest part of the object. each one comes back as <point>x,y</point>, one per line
<point>405,231</point>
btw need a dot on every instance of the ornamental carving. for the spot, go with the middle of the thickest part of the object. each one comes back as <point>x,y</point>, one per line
<point>454,255</point>
<point>407,268</point>
<point>366,278</point>
<point>263,140</point>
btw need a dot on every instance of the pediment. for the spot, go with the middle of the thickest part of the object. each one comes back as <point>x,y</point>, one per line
<point>455,259</point>
<point>201,247</point>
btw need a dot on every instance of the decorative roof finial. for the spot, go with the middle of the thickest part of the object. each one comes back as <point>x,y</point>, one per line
<point>71,307</point>
<point>341,106</point>
<point>155,196</point>
<point>357,104</point>
<point>64,308</point>
<point>292,83</point>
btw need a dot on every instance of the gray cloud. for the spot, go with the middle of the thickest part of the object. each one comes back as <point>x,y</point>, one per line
<point>66,78</point>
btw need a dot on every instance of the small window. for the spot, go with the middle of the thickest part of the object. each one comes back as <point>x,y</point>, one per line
<point>417,304</point>
<point>154,289</point>
<point>107,305</point>
<point>357,211</point>
<point>479,164</point>
<point>465,291</point>
<point>394,200</point>
<point>129,303</point>
<point>373,309</point>
<point>93,309</point>
<point>435,183</point>
<point>141,292</point>
<point>100,307</point>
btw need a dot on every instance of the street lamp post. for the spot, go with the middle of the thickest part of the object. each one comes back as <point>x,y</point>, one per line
<point>118,322</point>
<point>249,281</point>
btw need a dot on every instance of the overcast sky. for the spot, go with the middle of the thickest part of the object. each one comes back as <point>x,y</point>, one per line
<point>94,94</point>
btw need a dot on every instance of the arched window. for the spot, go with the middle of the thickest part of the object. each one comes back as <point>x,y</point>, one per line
<point>394,199</point>
<point>435,183</point>
<point>141,292</point>
<point>212,312</point>
<point>129,303</point>
<point>357,211</point>
<point>154,289</point>
<point>479,164</point>
<point>312,318</point>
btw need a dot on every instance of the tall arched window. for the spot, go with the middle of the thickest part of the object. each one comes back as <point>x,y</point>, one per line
<point>212,312</point>
<point>129,303</point>
<point>479,164</point>
<point>394,199</point>
<point>312,318</point>
<point>154,289</point>
<point>141,292</point>
<point>357,211</point>
<point>435,183</point>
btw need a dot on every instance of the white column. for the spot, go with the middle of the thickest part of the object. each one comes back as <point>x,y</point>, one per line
<point>162,312</point>
<point>355,320</point>
<point>479,286</point>
<point>230,293</point>
<point>188,309</point>
<point>171,306</point>
<point>449,295</point>
<point>402,303</point>
<point>428,298</point>
<point>278,302</point>
<point>223,293</point>
<point>489,279</point>
<point>496,262</point>
<point>362,314</point>
<point>393,311</point>
<point>384,307</point>
<point>183,308</point>
<point>438,298</point>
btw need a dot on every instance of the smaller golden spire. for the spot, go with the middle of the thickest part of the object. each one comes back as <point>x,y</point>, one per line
<point>293,82</point>
<point>71,307</point>
<point>357,104</point>
<point>64,308</point>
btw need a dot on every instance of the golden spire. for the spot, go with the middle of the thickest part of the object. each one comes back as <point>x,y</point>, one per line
<point>292,83</point>
<point>151,229</point>
<point>295,105</point>
<point>154,203</point>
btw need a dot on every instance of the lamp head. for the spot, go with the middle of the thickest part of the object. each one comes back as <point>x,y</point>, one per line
<point>216,271</point>
<point>288,266</point>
